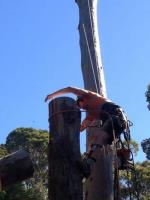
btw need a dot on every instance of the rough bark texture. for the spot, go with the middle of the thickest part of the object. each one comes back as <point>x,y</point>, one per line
<point>100,184</point>
<point>15,168</point>
<point>65,181</point>
<point>92,69</point>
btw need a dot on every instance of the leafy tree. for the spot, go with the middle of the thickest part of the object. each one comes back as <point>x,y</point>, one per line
<point>3,150</point>
<point>20,192</point>
<point>133,145</point>
<point>146,143</point>
<point>136,183</point>
<point>147,94</point>
<point>36,143</point>
<point>146,147</point>
<point>17,192</point>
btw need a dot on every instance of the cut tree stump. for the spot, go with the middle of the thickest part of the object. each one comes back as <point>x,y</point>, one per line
<point>65,179</point>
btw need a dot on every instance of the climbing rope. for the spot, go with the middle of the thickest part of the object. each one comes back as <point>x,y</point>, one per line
<point>116,169</point>
<point>88,47</point>
<point>93,41</point>
<point>134,193</point>
<point>134,178</point>
<point>64,111</point>
<point>87,43</point>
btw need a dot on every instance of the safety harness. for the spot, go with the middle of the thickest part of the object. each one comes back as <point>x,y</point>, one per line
<point>121,162</point>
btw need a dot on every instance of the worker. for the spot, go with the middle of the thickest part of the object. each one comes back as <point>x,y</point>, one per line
<point>113,120</point>
<point>97,107</point>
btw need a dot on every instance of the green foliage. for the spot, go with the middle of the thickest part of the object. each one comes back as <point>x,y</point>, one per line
<point>20,192</point>
<point>133,145</point>
<point>38,192</point>
<point>3,150</point>
<point>147,94</point>
<point>16,192</point>
<point>138,182</point>
<point>143,176</point>
<point>3,195</point>
<point>146,147</point>
<point>27,138</point>
<point>36,143</point>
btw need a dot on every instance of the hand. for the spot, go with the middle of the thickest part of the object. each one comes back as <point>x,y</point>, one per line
<point>48,97</point>
<point>85,123</point>
<point>82,128</point>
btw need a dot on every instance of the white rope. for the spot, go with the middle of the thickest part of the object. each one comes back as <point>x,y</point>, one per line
<point>91,23</point>
<point>90,57</point>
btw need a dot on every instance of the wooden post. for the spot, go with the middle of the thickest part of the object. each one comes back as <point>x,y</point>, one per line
<point>100,183</point>
<point>15,168</point>
<point>65,180</point>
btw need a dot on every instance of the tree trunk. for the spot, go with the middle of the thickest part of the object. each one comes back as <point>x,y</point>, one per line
<point>65,180</point>
<point>100,183</point>
<point>91,64</point>
<point>15,168</point>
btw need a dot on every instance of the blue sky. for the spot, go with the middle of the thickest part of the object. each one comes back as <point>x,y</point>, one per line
<point>39,53</point>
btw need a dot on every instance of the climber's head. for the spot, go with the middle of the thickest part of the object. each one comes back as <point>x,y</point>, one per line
<point>82,102</point>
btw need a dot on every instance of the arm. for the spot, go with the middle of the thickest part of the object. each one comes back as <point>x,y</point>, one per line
<point>86,122</point>
<point>74,90</point>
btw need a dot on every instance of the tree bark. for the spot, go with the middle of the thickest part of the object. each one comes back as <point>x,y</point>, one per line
<point>15,168</point>
<point>65,180</point>
<point>91,64</point>
<point>100,183</point>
